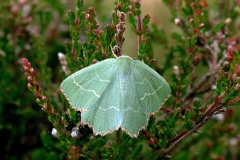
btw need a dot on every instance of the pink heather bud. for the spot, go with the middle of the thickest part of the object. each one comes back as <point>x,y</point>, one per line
<point>24,61</point>
<point>37,94</point>
<point>25,68</point>
<point>15,9</point>
<point>230,58</point>
<point>74,148</point>
<point>44,98</point>
<point>201,25</point>
<point>28,64</point>
<point>87,16</point>
<point>73,53</point>
<point>195,30</point>
<point>30,79</point>
<point>29,86</point>
<point>193,4</point>
<point>96,31</point>
<point>32,71</point>
<point>153,60</point>
<point>76,21</point>
<point>204,4</point>
<point>234,77</point>
<point>228,21</point>
<point>177,21</point>
<point>21,2</point>
<point>44,108</point>
<point>237,68</point>
<point>191,21</point>
<point>230,53</point>
<point>230,49</point>
<point>152,141</point>
<point>176,70</point>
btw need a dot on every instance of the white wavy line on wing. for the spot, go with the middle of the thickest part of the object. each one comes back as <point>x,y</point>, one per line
<point>150,94</point>
<point>101,80</point>
<point>111,107</point>
<point>142,81</point>
<point>87,90</point>
<point>132,109</point>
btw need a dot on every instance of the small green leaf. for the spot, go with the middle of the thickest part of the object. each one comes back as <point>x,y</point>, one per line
<point>146,20</point>
<point>219,88</point>
<point>232,94</point>
<point>132,20</point>
<point>218,27</point>
<point>136,151</point>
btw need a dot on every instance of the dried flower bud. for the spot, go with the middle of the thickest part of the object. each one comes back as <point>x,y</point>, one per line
<point>54,133</point>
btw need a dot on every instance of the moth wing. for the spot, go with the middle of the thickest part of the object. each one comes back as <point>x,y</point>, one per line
<point>104,117</point>
<point>85,87</point>
<point>133,112</point>
<point>152,88</point>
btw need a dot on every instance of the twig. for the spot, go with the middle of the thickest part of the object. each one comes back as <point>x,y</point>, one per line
<point>194,129</point>
<point>117,49</point>
<point>204,79</point>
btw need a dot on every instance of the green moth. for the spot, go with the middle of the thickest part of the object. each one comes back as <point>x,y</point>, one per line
<point>116,93</point>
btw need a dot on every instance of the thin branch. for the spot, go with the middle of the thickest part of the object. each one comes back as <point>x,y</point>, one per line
<point>193,130</point>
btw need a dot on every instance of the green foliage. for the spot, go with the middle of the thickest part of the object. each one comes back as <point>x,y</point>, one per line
<point>201,55</point>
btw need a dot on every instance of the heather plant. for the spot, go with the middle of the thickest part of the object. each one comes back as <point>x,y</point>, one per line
<point>200,61</point>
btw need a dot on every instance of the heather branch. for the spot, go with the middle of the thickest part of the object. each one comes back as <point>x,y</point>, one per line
<point>117,49</point>
<point>43,100</point>
<point>203,81</point>
<point>215,108</point>
<point>139,28</point>
<point>194,129</point>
